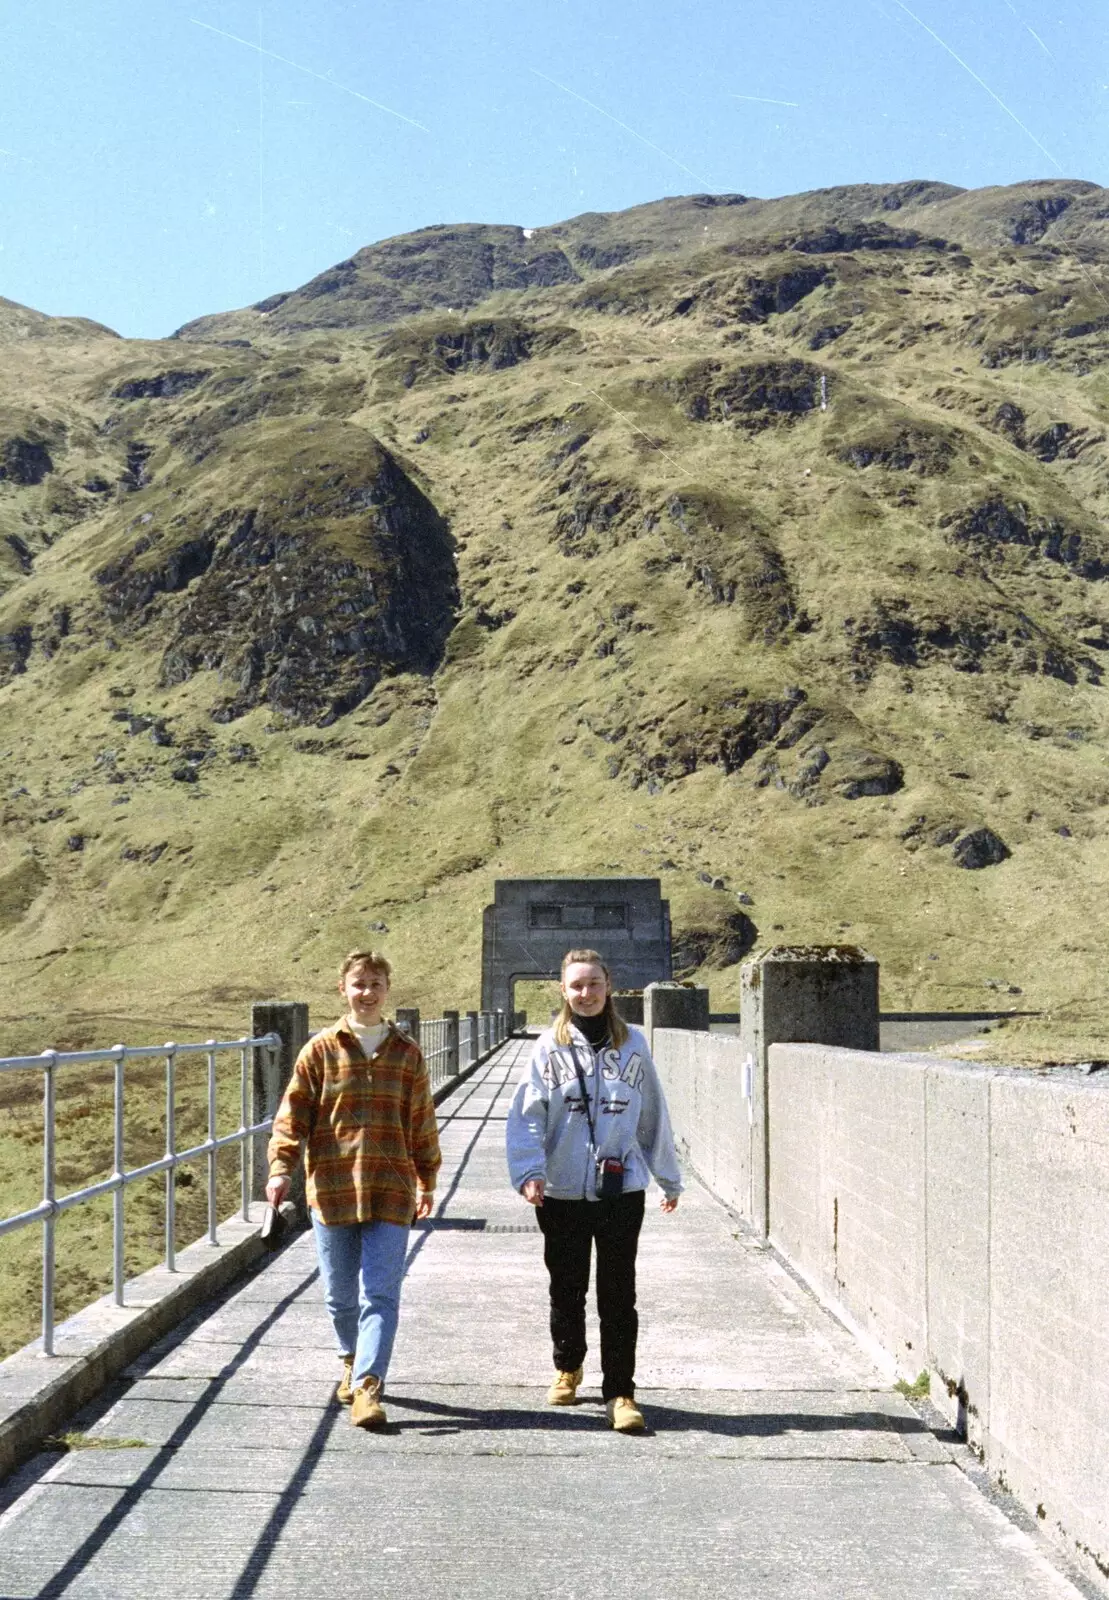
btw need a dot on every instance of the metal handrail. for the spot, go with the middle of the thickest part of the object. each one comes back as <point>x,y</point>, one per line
<point>51,1206</point>
<point>438,1049</point>
<point>449,1046</point>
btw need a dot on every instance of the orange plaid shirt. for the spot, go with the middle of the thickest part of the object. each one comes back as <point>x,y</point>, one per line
<point>368,1127</point>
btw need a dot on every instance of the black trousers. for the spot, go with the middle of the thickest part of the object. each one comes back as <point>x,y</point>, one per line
<point>570,1229</point>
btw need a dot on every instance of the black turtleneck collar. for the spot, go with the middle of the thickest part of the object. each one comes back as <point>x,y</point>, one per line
<point>594,1028</point>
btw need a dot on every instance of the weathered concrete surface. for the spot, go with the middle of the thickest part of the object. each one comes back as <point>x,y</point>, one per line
<point>960,1216</point>
<point>532,922</point>
<point>36,1396</point>
<point>675,1005</point>
<point>709,1090</point>
<point>778,1463</point>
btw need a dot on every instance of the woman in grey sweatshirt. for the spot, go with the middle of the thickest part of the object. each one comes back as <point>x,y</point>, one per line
<point>587,1130</point>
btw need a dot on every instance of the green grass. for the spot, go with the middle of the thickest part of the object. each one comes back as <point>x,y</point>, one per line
<point>64,1442</point>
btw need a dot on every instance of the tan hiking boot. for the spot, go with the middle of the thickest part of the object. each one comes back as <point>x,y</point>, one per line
<point>366,1409</point>
<point>345,1392</point>
<point>564,1390</point>
<point>624,1415</point>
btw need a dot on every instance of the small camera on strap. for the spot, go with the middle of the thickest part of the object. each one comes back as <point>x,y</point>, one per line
<point>610,1178</point>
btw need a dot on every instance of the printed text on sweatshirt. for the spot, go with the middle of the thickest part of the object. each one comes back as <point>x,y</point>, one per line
<point>548,1130</point>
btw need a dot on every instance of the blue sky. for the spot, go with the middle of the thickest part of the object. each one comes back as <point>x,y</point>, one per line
<point>160,159</point>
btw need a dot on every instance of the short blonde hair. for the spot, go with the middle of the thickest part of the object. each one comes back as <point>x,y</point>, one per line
<point>366,958</point>
<point>617,1027</point>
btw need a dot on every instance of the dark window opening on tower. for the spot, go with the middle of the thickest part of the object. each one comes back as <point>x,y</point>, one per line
<point>544,916</point>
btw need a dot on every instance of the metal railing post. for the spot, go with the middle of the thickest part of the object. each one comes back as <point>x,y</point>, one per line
<point>245,1155</point>
<point>120,1053</point>
<point>408,1018</point>
<point>50,1062</point>
<point>450,1018</point>
<point>212,1217</point>
<point>171,1153</point>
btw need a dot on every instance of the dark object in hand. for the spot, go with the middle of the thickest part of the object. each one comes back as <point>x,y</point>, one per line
<point>273,1227</point>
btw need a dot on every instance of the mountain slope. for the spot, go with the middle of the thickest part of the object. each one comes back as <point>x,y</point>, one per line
<point>757,544</point>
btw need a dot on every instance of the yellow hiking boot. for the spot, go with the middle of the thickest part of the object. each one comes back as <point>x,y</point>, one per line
<point>564,1390</point>
<point>345,1392</point>
<point>366,1410</point>
<point>624,1415</point>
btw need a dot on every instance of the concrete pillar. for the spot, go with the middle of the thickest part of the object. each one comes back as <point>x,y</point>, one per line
<point>808,994</point>
<point>289,1019</point>
<point>472,1038</point>
<point>673,1005</point>
<point>453,1063</point>
<point>408,1018</point>
<point>502,1026</point>
<point>630,1007</point>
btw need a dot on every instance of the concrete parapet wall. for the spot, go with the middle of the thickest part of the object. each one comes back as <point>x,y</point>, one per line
<point>703,1080</point>
<point>957,1216</point>
<point>960,1217</point>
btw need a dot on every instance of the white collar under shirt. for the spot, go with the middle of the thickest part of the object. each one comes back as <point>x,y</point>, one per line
<point>369,1036</point>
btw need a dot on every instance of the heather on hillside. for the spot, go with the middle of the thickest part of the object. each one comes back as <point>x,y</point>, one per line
<point>757,545</point>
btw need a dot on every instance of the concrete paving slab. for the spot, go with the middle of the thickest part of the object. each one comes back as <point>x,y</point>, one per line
<point>778,1462</point>
<point>445,1529</point>
<point>463,1419</point>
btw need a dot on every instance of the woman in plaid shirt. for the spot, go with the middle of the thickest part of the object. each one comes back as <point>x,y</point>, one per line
<point>360,1103</point>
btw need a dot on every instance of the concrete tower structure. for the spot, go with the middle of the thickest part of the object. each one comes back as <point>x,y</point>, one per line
<point>534,921</point>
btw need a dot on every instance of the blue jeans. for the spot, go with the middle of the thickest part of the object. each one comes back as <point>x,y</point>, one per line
<point>362,1266</point>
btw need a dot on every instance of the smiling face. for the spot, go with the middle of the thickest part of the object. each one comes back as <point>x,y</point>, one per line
<point>364,988</point>
<point>585,986</point>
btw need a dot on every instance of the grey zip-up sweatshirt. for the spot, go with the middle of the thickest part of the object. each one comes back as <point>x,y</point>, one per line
<point>548,1133</point>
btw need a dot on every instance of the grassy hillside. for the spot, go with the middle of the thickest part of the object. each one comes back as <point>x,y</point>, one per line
<point>757,545</point>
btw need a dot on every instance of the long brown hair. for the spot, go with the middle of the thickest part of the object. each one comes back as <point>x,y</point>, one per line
<point>617,1027</point>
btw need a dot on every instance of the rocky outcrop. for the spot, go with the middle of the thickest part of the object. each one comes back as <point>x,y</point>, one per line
<point>162,386</point>
<point>751,396</point>
<point>136,473</point>
<point>421,355</point>
<point>968,638</point>
<point>972,844</point>
<point>725,939</point>
<point>305,605</point>
<point>979,847</point>
<point>599,257</point>
<point>131,583</point>
<point>661,750</point>
<point>15,650</point>
<point>831,765</point>
<point>994,528</point>
<point>434,268</point>
<point>925,451</point>
<point>725,550</point>
<point>860,773</point>
<point>24,461</point>
<point>833,240</point>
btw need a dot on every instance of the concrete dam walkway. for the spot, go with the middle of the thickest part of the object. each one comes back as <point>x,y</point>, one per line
<point>777,1462</point>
